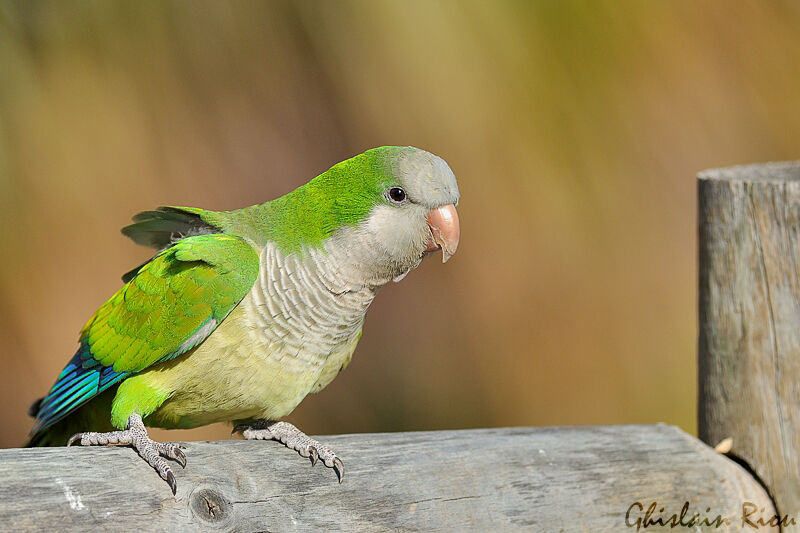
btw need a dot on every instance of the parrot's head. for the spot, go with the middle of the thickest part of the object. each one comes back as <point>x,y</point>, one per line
<point>406,200</point>
<point>415,212</point>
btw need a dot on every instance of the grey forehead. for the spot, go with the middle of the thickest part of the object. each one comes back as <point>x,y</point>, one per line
<point>426,177</point>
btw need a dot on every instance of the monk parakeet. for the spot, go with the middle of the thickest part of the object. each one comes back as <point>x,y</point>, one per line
<point>241,314</point>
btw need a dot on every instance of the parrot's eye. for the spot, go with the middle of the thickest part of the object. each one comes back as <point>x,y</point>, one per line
<point>397,195</point>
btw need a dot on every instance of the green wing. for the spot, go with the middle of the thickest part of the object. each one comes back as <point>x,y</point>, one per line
<point>172,304</point>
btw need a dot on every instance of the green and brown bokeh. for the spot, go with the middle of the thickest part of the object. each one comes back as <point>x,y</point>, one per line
<point>575,129</point>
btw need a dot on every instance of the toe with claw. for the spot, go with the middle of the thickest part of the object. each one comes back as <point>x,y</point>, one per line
<point>295,439</point>
<point>136,436</point>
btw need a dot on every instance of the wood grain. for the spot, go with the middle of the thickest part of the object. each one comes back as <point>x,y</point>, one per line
<point>520,479</point>
<point>749,320</point>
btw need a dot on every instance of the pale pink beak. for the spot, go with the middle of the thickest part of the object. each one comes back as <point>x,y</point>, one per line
<point>445,230</point>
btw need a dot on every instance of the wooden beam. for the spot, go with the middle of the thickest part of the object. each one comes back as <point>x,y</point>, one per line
<point>522,479</point>
<point>749,320</point>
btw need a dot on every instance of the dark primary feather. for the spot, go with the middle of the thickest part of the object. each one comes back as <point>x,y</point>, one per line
<point>33,410</point>
<point>130,274</point>
<point>161,228</point>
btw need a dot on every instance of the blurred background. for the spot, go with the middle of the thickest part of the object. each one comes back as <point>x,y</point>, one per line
<point>575,129</point>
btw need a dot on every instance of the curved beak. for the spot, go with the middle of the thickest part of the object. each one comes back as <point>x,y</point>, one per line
<point>445,230</point>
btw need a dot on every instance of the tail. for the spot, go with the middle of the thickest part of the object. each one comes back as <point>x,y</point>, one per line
<point>54,435</point>
<point>93,416</point>
<point>38,439</point>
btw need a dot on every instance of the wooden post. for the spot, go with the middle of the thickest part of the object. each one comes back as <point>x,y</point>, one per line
<point>749,320</point>
<point>600,479</point>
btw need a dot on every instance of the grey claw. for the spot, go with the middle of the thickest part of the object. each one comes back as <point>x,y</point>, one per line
<point>172,483</point>
<point>136,437</point>
<point>180,457</point>
<point>294,439</point>
<point>338,467</point>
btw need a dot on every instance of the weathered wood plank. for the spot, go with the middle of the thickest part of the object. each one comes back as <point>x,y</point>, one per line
<point>749,320</point>
<point>522,479</point>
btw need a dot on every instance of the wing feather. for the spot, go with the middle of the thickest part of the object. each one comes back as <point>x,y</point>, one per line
<point>170,306</point>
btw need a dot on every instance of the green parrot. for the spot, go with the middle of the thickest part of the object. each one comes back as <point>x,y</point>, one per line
<point>243,313</point>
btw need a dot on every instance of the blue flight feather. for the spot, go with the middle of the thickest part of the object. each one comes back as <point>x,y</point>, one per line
<point>81,380</point>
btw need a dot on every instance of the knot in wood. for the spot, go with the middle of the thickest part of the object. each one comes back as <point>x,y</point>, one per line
<point>210,506</point>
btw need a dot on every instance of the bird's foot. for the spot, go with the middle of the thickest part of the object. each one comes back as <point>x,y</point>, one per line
<point>295,439</point>
<point>148,449</point>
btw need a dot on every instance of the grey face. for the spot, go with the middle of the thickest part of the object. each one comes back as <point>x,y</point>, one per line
<point>397,233</point>
<point>426,178</point>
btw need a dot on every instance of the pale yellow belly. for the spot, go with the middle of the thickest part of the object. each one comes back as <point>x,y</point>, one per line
<point>233,375</point>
